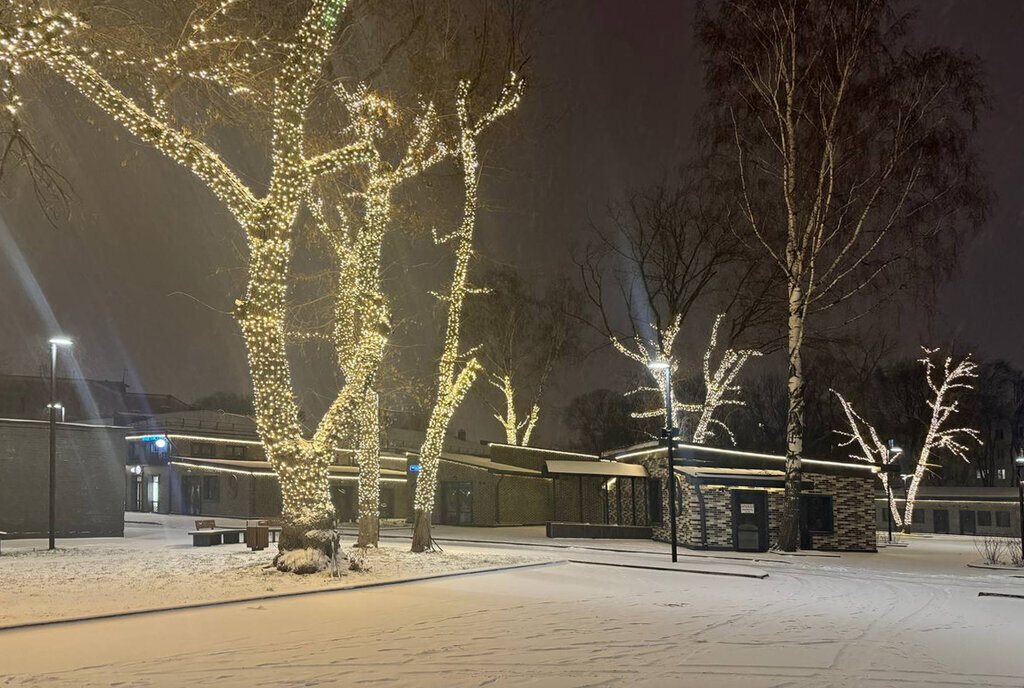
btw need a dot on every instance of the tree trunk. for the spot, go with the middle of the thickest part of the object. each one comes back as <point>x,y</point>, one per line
<point>368,458</point>
<point>421,537</point>
<point>789,527</point>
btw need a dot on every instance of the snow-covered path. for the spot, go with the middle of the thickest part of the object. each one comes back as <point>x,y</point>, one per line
<point>807,624</point>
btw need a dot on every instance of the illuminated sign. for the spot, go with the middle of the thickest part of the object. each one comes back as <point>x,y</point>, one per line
<point>414,468</point>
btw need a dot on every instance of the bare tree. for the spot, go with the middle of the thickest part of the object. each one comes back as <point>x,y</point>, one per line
<point>849,144</point>
<point>524,333</point>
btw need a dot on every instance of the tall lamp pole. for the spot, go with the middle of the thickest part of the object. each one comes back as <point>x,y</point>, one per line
<point>54,343</point>
<point>893,452</point>
<point>669,435</point>
<point>1020,491</point>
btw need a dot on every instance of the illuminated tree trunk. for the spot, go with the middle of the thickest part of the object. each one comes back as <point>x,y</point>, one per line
<point>452,384</point>
<point>510,421</point>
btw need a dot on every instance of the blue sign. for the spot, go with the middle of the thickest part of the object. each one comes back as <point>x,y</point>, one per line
<point>414,468</point>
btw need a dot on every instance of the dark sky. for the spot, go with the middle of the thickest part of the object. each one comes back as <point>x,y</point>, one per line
<point>140,274</point>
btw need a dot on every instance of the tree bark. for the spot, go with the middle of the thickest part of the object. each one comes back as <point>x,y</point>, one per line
<point>789,527</point>
<point>421,536</point>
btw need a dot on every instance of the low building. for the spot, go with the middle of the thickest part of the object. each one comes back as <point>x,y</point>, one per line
<point>212,464</point>
<point>957,510</point>
<point>733,500</point>
<point>89,465</point>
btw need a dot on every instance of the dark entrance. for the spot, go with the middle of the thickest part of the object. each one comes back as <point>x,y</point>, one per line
<point>750,520</point>
<point>344,499</point>
<point>458,503</point>
<point>940,520</point>
<point>192,495</point>
<point>967,522</point>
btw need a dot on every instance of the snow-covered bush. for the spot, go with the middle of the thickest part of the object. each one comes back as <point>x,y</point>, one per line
<point>301,561</point>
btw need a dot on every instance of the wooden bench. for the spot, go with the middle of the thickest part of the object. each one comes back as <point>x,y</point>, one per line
<point>207,533</point>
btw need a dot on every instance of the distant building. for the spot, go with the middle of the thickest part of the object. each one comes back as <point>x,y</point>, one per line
<point>28,397</point>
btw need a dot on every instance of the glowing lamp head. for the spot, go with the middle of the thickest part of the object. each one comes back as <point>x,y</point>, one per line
<point>160,443</point>
<point>658,365</point>
<point>60,341</point>
<point>1019,461</point>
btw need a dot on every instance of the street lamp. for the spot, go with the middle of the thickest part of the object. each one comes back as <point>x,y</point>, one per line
<point>669,435</point>
<point>59,407</point>
<point>1019,463</point>
<point>892,452</point>
<point>53,406</point>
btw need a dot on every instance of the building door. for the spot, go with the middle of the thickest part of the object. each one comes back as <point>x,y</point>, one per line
<point>139,498</point>
<point>967,522</point>
<point>940,520</point>
<point>458,503</point>
<point>192,495</point>
<point>344,499</point>
<point>750,520</point>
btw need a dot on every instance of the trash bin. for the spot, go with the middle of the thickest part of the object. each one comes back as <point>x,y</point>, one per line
<point>257,537</point>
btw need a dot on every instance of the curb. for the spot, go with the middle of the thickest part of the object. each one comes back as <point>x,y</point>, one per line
<point>1001,594</point>
<point>995,567</point>
<point>590,548</point>
<point>735,574</point>
<point>274,596</point>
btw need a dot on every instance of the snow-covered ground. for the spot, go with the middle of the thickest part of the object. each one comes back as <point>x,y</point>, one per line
<point>155,565</point>
<point>905,616</point>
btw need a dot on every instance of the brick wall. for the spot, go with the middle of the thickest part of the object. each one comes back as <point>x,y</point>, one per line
<point>524,500</point>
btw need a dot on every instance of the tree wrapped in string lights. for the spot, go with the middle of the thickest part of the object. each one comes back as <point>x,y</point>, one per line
<point>872,449</point>
<point>944,383</point>
<point>454,380</point>
<point>57,41</point>
<point>647,351</point>
<point>720,387</point>
<point>719,380</point>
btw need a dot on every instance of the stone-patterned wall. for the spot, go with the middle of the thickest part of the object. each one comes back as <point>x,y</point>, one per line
<point>567,499</point>
<point>852,500</point>
<point>626,489</point>
<point>853,511</point>
<point>524,500</point>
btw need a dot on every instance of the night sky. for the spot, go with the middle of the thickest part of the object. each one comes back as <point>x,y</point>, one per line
<point>140,274</point>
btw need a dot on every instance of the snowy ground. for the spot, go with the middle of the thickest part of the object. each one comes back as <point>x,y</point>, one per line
<point>155,565</point>
<point>905,616</point>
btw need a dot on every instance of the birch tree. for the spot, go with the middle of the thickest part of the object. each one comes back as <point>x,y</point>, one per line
<point>457,368</point>
<point>944,383</point>
<point>524,333</point>
<point>849,145</point>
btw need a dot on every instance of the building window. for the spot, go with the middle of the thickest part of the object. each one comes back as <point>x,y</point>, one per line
<point>1001,474</point>
<point>817,513</point>
<point>233,486</point>
<point>211,488</point>
<point>235,451</point>
<point>984,518</point>
<point>918,517</point>
<point>154,493</point>
<point>202,449</point>
<point>1003,519</point>
<point>462,435</point>
<point>654,499</point>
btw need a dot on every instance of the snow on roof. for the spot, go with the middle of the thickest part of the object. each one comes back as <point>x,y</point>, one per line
<point>488,464</point>
<point>258,466</point>
<point>602,468</point>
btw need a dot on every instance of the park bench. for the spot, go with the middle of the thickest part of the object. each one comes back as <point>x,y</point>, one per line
<point>207,533</point>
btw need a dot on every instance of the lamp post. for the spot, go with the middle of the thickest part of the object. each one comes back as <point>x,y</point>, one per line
<point>1019,463</point>
<point>59,407</point>
<point>669,435</point>
<point>54,343</point>
<point>892,452</point>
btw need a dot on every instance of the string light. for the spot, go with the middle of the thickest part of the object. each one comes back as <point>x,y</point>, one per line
<point>454,383</point>
<point>510,421</point>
